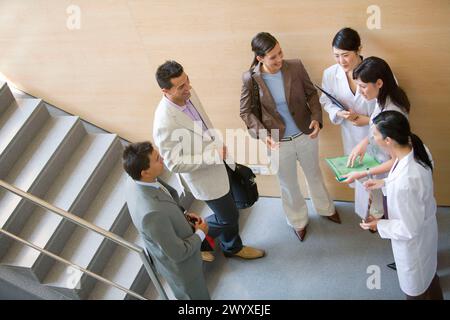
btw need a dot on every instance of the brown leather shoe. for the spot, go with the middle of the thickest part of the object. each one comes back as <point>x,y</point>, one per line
<point>247,253</point>
<point>335,218</point>
<point>301,233</point>
<point>207,256</point>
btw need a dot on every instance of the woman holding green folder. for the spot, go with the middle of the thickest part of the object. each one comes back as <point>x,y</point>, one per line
<point>375,79</point>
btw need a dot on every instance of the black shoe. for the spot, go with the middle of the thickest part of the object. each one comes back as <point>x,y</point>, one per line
<point>392,266</point>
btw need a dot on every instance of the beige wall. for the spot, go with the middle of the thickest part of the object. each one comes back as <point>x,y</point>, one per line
<point>104,72</point>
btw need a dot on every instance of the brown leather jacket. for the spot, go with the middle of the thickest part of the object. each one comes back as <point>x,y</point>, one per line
<point>301,98</point>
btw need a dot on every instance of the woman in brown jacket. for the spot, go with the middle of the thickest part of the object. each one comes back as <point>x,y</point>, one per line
<point>277,94</point>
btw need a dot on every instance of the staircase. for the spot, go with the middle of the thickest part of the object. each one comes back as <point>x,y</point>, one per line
<point>76,167</point>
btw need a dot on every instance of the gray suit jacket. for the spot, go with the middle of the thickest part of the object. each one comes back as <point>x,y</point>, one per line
<point>169,238</point>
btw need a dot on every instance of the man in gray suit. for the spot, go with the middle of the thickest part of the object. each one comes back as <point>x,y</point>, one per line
<point>167,234</point>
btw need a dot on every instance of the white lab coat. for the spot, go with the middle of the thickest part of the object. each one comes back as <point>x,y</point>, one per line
<point>412,224</point>
<point>373,149</point>
<point>334,81</point>
<point>379,154</point>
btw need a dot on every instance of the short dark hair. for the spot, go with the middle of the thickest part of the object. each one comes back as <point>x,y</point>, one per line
<point>135,158</point>
<point>347,39</point>
<point>168,70</point>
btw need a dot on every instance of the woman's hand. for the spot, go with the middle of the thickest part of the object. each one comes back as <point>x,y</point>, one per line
<point>352,176</point>
<point>347,115</point>
<point>272,144</point>
<point>358,151</point>
<point>373,184</point>
<point>370,223</point>
<point>360,121</point>
<point>316,126</point>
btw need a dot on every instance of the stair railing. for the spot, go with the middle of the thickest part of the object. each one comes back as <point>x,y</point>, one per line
<point>87,225</point>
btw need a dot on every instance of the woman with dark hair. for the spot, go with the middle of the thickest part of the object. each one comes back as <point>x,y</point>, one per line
<point>278,96</point>
<point>412,224</point>
<point>375,80</point>
<point>338,81</point>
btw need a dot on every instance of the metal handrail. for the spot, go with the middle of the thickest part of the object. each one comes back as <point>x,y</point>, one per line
<point>87,225</point>
<point>56,257</point>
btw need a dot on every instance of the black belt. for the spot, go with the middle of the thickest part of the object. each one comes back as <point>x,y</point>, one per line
<point>290,138</point>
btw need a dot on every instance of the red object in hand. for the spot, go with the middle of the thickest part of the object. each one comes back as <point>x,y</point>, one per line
<point>210,241</point>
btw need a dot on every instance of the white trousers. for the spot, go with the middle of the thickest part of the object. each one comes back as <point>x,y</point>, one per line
<point>306,151</point>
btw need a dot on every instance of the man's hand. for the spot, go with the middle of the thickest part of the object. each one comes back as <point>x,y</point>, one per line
<point>316,126</point>
<point>199,222</point>
<point>202,225</point>
<point>194,217</point>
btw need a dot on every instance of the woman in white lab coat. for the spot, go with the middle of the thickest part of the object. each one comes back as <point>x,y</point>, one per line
<point>375,79</point>
<point>338,81</point>
<point>412,224</point>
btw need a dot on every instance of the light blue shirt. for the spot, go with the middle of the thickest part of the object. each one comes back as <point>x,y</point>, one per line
<point>158,185</point>
<point>276,87</point>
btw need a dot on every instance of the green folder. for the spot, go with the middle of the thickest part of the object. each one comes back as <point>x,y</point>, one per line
<point>339,165</point>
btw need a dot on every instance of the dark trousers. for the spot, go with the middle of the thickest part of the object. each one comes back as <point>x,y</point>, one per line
<point>224,223</point>
<point>433,292</point>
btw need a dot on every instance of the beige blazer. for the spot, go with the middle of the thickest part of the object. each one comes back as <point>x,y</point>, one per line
<point>189,153</point>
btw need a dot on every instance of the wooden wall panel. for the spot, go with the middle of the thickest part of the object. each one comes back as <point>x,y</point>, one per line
<point>104,71</point>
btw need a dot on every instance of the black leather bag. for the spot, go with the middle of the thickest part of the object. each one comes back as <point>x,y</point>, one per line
<point>243,186</point>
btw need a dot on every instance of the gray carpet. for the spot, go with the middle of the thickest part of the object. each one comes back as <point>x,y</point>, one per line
<point>331,263</point>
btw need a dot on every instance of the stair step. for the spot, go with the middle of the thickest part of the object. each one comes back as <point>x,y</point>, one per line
<point>18,125</point>
<point>36,157</point>
<point>152,294</point>
<point>125,268</point>
<point>85,248</point>
<point>6,97</point>
<point>44,226</point>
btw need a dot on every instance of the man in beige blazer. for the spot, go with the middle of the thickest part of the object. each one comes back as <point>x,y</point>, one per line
<point>184,135</point>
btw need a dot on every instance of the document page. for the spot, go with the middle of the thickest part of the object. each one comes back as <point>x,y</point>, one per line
<point>361,200</point>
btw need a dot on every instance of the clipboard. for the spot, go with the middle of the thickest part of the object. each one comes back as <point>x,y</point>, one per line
<point>361,200</point>
<point>333,99</point>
